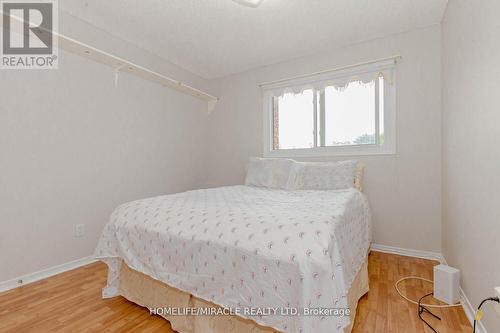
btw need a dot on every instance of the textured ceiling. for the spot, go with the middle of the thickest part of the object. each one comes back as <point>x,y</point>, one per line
<point>214,38</point>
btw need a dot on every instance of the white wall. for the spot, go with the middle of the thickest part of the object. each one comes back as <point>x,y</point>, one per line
<point>404,189</point>
<point>471,158</point>
<point>73,146</point>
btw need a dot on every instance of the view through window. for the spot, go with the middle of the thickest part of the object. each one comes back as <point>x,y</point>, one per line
<point>347,116</point>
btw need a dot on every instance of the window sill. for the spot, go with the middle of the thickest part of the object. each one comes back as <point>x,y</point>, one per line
<point>332,151</point>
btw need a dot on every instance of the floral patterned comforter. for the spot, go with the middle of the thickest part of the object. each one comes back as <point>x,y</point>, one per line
<point>247,247</point>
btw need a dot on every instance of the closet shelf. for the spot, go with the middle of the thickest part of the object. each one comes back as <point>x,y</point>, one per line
<point>123,65</point>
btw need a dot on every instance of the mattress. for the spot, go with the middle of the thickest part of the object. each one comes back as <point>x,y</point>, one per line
<point>245,247</point>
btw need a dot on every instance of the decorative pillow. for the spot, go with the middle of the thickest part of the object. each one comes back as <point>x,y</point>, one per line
<point>322,175</point>
<point>268,172</point>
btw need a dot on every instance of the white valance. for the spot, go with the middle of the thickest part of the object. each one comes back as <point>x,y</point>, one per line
<point>338,78</point>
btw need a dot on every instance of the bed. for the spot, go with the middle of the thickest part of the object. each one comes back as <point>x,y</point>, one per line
<point>266,260</point>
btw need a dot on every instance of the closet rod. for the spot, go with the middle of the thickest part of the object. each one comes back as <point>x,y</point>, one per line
<point>74,46</point>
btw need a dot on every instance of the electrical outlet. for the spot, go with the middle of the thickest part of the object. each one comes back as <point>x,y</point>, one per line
<point>497,305</point>
<point>79,230</point>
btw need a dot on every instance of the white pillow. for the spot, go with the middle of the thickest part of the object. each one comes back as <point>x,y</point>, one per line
<point>268,172</point>
<point>322,175</point>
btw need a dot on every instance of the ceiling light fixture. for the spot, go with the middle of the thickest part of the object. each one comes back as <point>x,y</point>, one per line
<point>249,3</point>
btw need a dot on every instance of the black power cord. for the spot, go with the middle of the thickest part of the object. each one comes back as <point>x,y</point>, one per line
<point>493,299</point>
<point>422,309</point>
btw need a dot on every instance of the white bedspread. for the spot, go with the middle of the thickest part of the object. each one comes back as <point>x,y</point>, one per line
<point>243,246</point>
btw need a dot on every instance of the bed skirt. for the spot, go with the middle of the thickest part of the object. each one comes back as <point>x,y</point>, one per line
<point>148,292</point>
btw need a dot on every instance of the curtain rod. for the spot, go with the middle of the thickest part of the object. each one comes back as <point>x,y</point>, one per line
<point>395,57</point>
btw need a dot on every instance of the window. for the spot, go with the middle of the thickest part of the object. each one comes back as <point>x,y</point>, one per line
<point>342,112</point>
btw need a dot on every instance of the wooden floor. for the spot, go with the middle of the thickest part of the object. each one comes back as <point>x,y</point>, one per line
<point>71,302</point>
<point>383,310</point>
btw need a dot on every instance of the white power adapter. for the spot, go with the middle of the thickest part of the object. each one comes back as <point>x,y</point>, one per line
<point>497,305</point>
<point>446,284</point>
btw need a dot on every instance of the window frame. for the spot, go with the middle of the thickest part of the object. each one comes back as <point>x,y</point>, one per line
<point>387,148</point>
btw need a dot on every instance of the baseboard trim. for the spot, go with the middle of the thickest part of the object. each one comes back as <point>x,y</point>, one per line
<point>470,312</point>
<point>43,274</point>
<point>408,252</point>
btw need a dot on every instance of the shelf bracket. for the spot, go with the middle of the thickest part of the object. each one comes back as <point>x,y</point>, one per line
<point>211,105</point>
<point>117,73</point>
